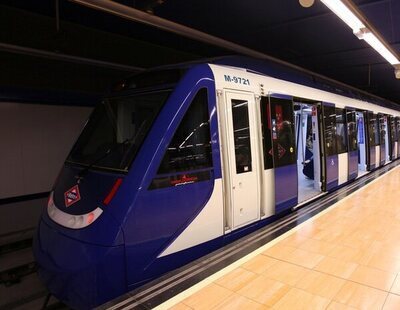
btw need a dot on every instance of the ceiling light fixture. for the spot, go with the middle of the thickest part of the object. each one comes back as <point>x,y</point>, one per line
<point>361,29</point>
<point>397,71</point>
<point>344,13</point>
<point>371,39</point>
<point>306,3</point>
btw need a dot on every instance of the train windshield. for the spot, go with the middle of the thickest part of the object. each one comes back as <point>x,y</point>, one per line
<point>116,129</point>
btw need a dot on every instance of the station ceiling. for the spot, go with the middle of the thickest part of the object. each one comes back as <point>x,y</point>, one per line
<point>313,38</point>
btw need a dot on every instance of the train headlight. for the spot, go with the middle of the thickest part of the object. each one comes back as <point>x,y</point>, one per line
<point>69,220</point>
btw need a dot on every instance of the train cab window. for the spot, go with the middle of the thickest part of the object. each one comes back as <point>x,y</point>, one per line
<point>351,130</point>
<point>241,135</point>
<point>116,130</point>
<point>190,148</point>
<point>341,132</point>
<point>266,133</point>
<point>330,129</point>
<point>283,133</point>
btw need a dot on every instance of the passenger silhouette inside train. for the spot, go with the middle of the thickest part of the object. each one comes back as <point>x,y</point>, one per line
<point>308,164</point>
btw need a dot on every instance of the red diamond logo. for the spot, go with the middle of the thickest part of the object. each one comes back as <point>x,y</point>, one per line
<point>72,195</point>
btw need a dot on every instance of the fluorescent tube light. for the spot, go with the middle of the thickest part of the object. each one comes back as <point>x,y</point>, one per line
<point>344,13</point>
<point>360,30</point>
<point>376,44</point>
<point>372,40</point>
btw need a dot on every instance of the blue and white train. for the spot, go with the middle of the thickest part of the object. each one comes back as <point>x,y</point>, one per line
<point>180,161</point>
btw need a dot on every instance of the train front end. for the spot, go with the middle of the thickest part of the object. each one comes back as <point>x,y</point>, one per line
<point>90,245</point>
<point>79,245</point>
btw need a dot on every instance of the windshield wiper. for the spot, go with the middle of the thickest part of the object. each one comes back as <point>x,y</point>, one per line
<point>109,151</point>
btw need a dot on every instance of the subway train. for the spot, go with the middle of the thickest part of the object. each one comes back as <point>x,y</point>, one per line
<point>177,162</point>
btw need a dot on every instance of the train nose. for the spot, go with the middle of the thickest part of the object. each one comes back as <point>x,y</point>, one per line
<point>81,275</point>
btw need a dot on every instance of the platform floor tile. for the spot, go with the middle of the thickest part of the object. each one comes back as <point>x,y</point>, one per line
<point>346,258</point>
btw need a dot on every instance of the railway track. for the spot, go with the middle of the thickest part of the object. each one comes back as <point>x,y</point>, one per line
<point>20,287</point>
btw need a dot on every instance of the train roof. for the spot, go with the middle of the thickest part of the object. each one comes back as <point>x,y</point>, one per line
<point>288,72</point>
<point>303,77</point>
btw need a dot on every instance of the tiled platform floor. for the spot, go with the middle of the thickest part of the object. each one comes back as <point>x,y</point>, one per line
<point>346,258</point>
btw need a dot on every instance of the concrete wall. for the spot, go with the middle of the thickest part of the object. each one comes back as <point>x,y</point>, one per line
<point>34,142</point>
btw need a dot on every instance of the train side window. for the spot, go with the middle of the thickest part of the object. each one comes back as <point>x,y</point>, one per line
<point>266,133</point>
<point>330,129</point>
<point>352,130</point>
<point>241,135</point>
<point>190,148</point>
<point>283,134</point>
<point>341,132</point>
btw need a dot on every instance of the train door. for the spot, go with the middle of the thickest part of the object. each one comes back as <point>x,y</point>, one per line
<point>241,166</point>
<point>383,138</point>
<point>284,152</point>
<point>373,142</point>
<point>307,149</point>
<point>342,150</point>
<point>268,176</point>
<point>398,135</point>
<point>393,138</point>
<point>387,139</point>
<point>330,150</point>
<point>352,145</point>
<point>362,139</point>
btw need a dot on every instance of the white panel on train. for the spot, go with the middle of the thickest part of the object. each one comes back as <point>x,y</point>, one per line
<point>207,225</point>
<point>343,168</point>
<point>242,169</point>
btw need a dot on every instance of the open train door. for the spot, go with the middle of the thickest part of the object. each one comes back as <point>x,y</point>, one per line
<point>284,151</point>
<point>393,138</point>
<point>373,141</point>
<point>352,143</point>
<point>397,121</point>
<point>363,142</point>
<point>383,138</point>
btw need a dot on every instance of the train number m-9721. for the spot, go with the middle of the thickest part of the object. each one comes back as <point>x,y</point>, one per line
<point>236,80</point>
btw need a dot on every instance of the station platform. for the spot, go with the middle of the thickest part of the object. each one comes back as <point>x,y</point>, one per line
<point>340,252</point>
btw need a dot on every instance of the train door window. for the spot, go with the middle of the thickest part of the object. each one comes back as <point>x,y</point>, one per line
<point>351,130</point>
<point>341,133</point>
<point>266,133</point>
<point>190,148</point>
<point>330,130</point>
<point>283,134</point>
<point>241,135</point>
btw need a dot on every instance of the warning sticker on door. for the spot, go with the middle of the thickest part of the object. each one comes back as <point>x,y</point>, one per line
<point>72,196</point>
<point>281,151</point>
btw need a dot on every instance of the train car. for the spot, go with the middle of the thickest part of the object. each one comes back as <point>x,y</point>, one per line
<point>179,161</point>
